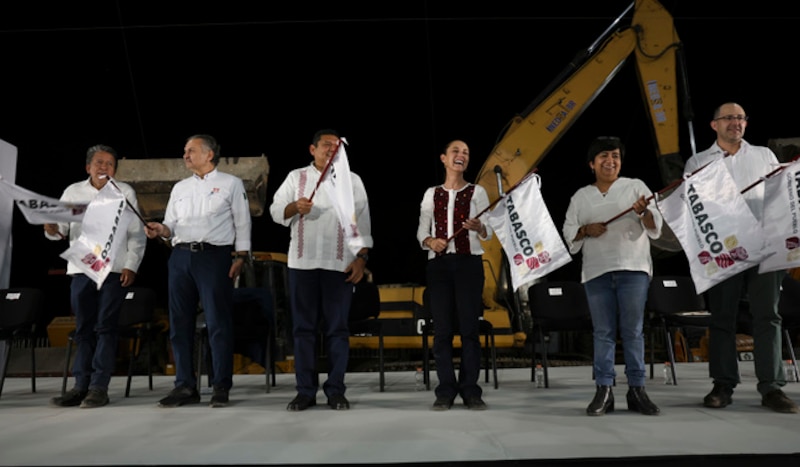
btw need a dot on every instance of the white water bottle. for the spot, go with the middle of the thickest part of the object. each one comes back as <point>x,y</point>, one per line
<point>667,373</point>
<point>539,376</point>
<point>788,371</point>
<point>419,379</point>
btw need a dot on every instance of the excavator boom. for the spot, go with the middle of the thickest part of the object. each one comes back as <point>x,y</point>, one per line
<point>653,41</point>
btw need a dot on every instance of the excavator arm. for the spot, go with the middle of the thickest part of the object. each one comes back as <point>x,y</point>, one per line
<point>652,39</point>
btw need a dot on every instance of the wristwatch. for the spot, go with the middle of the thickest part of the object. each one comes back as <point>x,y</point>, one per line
<point>363,256</point>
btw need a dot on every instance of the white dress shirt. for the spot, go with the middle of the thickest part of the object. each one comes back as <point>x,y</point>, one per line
<point>212,209</point>
<point>625,246</point>
<point>427,225</point>
<point>133,244</point>
<point>747,166</point>
<point>317,239</point>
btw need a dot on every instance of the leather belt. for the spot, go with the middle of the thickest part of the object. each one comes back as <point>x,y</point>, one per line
<point>199,246</point>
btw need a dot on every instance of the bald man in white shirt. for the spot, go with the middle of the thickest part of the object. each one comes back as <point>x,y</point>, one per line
<point>207,219</point>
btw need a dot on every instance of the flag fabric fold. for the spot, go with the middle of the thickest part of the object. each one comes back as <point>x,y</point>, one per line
<point>338,185</point>
<point>781,221</point>
<point>104,224</point>
<point>40,209</point>
<point>717,230</point>
<point>527,233</point>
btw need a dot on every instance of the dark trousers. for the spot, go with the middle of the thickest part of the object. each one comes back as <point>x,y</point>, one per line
<point>201,276</point>
<point>96,321</point>
<point>455,288</point>
<point>320,302</point>
<point>763,293</point>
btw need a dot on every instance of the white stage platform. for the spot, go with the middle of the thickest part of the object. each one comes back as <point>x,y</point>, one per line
<point>524,425</point>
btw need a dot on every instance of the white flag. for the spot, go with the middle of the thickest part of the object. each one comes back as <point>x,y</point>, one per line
<point>710,218</point>
<point>339,187</point>
<point>529,237</point>
<point>39,209</point>
<point>104,224</point>
<point>781,221</point>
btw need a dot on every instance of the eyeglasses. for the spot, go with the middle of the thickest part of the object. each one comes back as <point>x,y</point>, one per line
<point>730,118</point>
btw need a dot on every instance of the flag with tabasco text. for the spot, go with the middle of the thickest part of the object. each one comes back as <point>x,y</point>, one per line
<point>717,230</point>
<point>781,221</point>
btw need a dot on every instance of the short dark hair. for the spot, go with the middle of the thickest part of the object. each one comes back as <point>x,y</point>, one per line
<point>320,133</point>
<point>605,143</point>
<point>101,148</point>
<point>211,143</point>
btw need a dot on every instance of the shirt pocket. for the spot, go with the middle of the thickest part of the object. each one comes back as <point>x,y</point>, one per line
<point>218,201</point>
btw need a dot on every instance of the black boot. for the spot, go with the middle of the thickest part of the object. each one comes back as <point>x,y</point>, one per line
<point>603,401</point>
<point>639,402</point>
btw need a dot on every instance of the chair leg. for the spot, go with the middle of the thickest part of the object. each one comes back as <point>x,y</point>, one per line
<point>200,342</point>
<point>130,368</point>
<point>494,361</point>
<point>380,359</point>
<point>486,351</point>
<point>788,339</point>
<point>272,349</point>
<point>652,351</point>
<point>66,366</point>
<point>6,354</point>
<point>426,376</point>
<point>268,359</point>
<point>33,364</point>
<point>149,356</point>
<point>671,353</point>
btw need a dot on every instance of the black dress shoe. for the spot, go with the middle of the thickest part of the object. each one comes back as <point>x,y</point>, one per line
<point>442,403</point>
<point>719,397</point>
<point>603,401</point>
<point>475,403</point>
<point>338,402</point>
<point>639,402</point>
<point>72,398</point>
<point>301,402</point>
<point>219,398</point>
<point>179,396</point>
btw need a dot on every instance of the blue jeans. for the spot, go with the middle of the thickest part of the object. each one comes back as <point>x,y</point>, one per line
<point>616,302</point>
<point>96,322</point>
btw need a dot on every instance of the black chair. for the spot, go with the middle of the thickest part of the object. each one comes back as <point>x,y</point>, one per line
<point>673,302</point>
<point>253,331</point>
<point>364,319</point>
<point>556,306</point>
<point>136,323</point>
<point>488,347</point>
<point>789,309</point>
<point>20,310</point>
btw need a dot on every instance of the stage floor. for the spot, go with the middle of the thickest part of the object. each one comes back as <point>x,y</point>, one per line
<point>523,425</point>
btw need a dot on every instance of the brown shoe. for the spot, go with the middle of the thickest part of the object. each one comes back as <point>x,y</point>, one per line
<point>777,401</point>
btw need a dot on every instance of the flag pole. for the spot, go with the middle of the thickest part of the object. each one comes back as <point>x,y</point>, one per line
<point>494,203</point>
<point>672,185</point>
<point>325,169</point>
<point>128,202</point>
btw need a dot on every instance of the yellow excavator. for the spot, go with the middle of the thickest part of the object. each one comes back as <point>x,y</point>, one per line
<point>645,31</point>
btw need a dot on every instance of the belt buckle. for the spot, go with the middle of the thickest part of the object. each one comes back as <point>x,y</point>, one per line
<point>194,247</point>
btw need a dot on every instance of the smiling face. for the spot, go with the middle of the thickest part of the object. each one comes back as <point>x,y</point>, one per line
<point>456,156</point>
<point>606,165</point>
<point>102,166</point>
<point>324,149</point>
<point>730,122</point>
